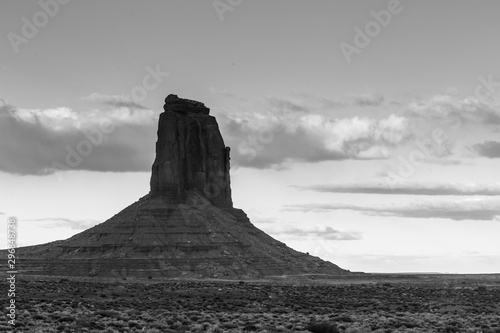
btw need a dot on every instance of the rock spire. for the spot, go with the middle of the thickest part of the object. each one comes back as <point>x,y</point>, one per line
<point>190,154</point>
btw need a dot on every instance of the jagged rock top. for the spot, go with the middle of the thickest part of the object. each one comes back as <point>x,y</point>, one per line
<point>184,106</point>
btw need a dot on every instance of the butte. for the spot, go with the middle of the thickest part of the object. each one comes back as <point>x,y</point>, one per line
<point>186,226</point>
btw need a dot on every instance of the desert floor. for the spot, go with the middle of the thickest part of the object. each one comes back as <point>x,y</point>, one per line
<point>358,304</point>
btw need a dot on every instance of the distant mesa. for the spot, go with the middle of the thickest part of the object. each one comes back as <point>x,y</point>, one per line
<point>186,226</point>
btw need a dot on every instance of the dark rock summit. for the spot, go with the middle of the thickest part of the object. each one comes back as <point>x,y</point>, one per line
<point>190,154</point>
<point>186,226</point>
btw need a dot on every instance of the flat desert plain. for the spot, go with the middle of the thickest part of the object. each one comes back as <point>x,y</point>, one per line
<point>354,304</point>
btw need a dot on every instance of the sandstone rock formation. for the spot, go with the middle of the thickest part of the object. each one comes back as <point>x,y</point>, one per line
<point>190,154</point>
<point>185,227</point>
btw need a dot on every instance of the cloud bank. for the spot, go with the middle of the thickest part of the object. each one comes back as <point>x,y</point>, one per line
<point>314,231</point>
<point>41,141</point>
<point>60,222</point>
<point>271,140</point>
<point>485,210</point>
<point>117,101</point>
<point>408,189</point>
<point>278,133</point>
<point>448,107</point>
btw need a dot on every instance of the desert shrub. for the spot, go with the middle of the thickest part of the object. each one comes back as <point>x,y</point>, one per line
<point>322,328</point>
<point>117,324</point>
<point>451,329</point>
<point>107,313</point>
<point>134,324</point>
<point>214,329</point>
<point>406,324</point>
<point>66,319</point>
<point>229,325</point>
<point>250,327</point>
<point>39,316</point>
<point>345,319</point>
<point>83,322</point>
<point>359,330</point>
<point>98,326</point>
<point>55,316</point>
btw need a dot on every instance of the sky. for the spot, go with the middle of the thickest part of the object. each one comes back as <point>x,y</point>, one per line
<point>362,132</point>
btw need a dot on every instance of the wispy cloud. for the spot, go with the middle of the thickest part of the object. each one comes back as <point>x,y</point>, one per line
<point>60,222</point>
<point>408,189</point>
<point>315,231</point>
<point>287,105</point>
<point>223,92</point>
<point>486,210</point>
<point>117,101</point>
<point>490,149</point>
<point>368,100</point>
<point>308,103</point>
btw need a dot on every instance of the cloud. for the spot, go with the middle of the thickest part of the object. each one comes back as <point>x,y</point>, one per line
<point>490,149</point>
<point>315,231</point>
<point>117,101</point>
<point>223,92</point>
<point>264,140</point>
<point>451,108</point>
<point>456,210</point>
<point>287,105</point>
<point>408,189</point>
<point>60,222</point>
<point>309,103</point>
<point>40,141</point>
<point>368,100</point>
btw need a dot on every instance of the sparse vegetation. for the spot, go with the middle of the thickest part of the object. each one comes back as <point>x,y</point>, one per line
<point>322,328</point>
<point>233,307</point>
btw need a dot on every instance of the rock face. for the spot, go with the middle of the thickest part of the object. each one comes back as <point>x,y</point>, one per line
<point>190,154</point>
<point>186,226</point>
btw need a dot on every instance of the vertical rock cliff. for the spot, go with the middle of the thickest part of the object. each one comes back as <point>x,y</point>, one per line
<point>190,154</point>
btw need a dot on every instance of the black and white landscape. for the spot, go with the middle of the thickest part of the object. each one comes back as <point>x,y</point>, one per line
<point>234,166</point>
